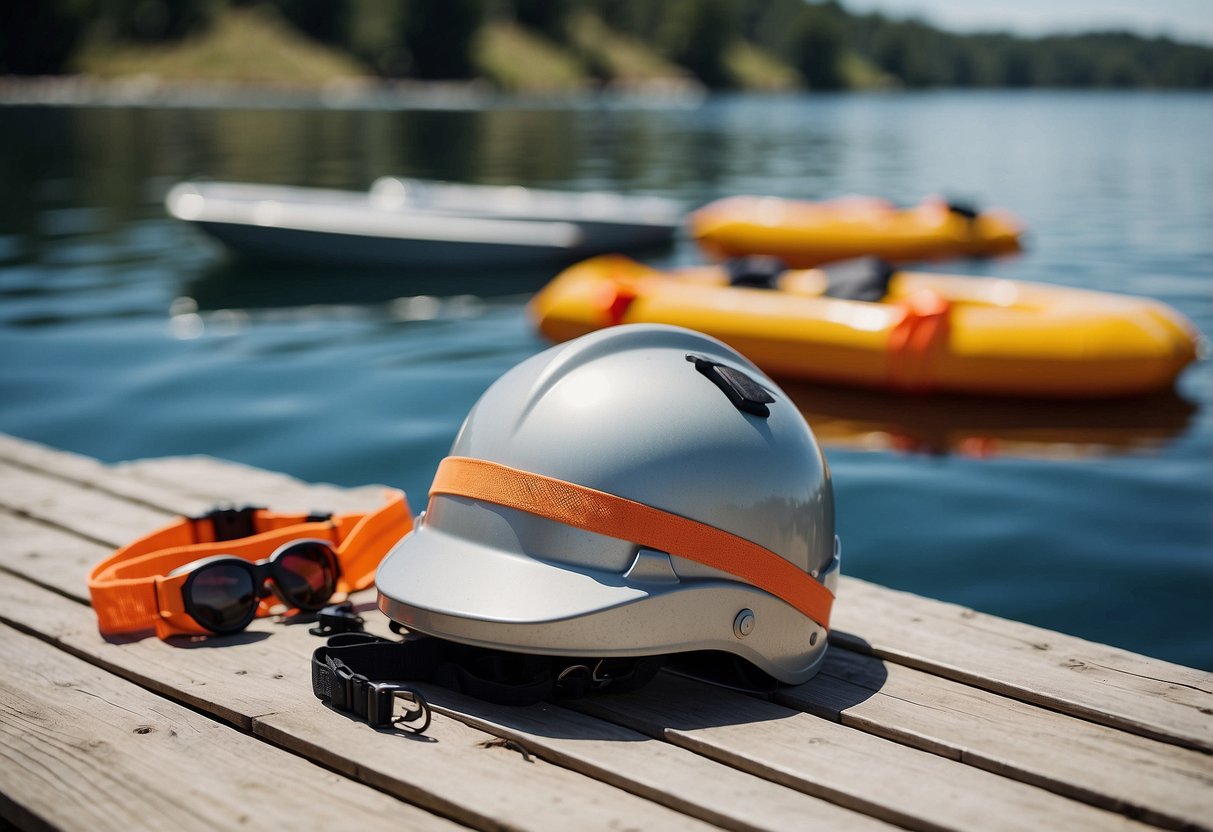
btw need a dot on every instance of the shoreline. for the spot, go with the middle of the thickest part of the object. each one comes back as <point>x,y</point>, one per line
<point>357,93</point>
<point>340,93</point>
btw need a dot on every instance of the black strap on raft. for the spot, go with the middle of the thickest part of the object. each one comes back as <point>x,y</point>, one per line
<point>364,675</point>
<point>864,278</point>
<point>757,271</point>
<point>963,209</point>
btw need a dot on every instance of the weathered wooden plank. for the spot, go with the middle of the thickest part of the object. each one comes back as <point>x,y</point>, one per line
<point>1104,684</point>
<point>260,681</point>
<point>449,768</point>
<point>1102,766</point>
<point>658,770</point>
<point>274,657</point>
<point>190,484</point>
<point>668,776</point>
<point>1093,681</point>
<point>857,770</point>
<point>217,480</point>
<point>82,749</point>
<point>979,753</point>
<point>87,512</point>
<point>269,664</point>
<point>48,555</point>
<point>695,785</point>
<point>1162,783</point>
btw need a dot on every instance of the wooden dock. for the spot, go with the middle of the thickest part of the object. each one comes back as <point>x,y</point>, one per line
<point>927,716</point>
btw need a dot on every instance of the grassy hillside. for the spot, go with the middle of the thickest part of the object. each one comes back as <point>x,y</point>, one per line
<point>254,45</point>
<point>257,45</point>
<point>516,59</point>
<point>621,60</point>
<point>531,45</point>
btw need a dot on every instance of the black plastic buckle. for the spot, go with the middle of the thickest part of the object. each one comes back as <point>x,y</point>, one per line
<point>337,618</point>
<point>346,690</point>
<point>378,700</point>
<point>230,522</point>
<point>381,701</point>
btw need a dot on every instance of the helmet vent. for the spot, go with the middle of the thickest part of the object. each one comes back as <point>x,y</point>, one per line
<point>746,394</point>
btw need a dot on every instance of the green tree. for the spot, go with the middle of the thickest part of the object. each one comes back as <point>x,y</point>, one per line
<point>548,17</point>
<point>438,35</point>
<point>324,20</point>
<point>374,32</point>
<point>697,33</point>
<point>154,21</point>
<point>38,37</point>
<point>816,48</point>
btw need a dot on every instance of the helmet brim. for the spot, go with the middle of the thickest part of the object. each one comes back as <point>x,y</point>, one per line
<point>432,573</point>
<point>446,586</point>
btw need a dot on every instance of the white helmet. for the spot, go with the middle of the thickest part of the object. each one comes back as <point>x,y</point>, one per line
<point>640,491</point>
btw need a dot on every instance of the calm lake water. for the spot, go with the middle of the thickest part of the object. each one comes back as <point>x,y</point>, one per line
<point>123,334</point>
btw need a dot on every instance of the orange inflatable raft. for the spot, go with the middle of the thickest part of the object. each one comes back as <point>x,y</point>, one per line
<point>804,234</point>
<point>926,332</point>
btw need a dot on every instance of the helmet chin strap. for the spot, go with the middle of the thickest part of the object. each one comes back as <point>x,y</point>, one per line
<point>364,675</point>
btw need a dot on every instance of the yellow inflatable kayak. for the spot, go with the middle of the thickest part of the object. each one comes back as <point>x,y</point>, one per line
<point>805,234</point>
<point>928,332</point>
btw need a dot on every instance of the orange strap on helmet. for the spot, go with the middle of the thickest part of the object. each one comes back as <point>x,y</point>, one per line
<point>617,517</point>
<point>131,593</point>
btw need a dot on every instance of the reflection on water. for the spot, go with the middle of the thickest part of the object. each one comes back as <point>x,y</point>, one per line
<point>233,283</point>
<point>125,334</point>
<point>984,427</point>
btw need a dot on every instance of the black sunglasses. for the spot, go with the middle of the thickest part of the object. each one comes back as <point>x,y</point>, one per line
<point>222,593</point>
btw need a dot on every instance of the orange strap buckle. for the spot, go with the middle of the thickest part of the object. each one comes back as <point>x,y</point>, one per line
<point>617,517</point>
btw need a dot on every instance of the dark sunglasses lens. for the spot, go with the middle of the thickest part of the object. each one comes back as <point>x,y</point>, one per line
<point>306,575</point>
<point>222,597</point>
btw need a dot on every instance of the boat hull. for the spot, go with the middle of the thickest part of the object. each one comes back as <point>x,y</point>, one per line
<point>429,224</point>
<point>313,246</point>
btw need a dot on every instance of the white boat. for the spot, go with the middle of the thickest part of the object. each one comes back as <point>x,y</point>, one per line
<point>405,222</point>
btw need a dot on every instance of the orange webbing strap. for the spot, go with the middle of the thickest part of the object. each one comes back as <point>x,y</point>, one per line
<point>612,516</point>
<point>124,586</point>
<point>920,334</point>
<point>367,538</point>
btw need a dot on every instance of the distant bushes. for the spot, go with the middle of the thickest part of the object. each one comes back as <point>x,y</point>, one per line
<point>718,43</point>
